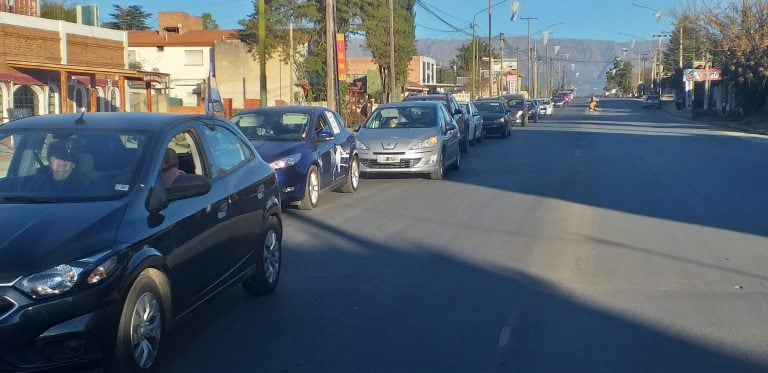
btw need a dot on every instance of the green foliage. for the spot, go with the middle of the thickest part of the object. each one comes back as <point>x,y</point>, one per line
<point>135,65</point>
<point>53,9</point>
<point>132,18</point>
<point>619,76</point>
<point>463,59</point>
<point>208,22</point>
<point>375,25</point>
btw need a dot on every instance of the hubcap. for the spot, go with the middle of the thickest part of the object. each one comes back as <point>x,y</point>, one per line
<point>314,188</point>
<point>354,174</point>
<point>146,327</point>
<point>271,257</point>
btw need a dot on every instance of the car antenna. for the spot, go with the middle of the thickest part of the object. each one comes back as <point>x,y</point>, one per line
<point>81,120</point>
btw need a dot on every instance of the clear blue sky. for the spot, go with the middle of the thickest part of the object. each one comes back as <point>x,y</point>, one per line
<point>585,19</point>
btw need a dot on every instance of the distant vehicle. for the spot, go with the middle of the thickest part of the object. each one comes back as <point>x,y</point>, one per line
<point>475,122</point>
<point>652,101</point>
<point>546,107</point>
<point>412,137</point>
<point>558,101</point>
<point>532,107</point>
<point>119,224</point>
<point>452,105</point>
<point>668,95</point>
<point>516,104</point>
<point>496,118</point>
<point>310,149</point>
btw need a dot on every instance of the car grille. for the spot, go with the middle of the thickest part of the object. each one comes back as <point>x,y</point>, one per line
<point>404,163</point>
<point>6,306</point>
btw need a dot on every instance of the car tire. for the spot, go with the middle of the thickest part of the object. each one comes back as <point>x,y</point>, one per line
<point>264,280</point>
<point>464,146</point>
<point>353,178</point>
<point>438,173</point>
<point>524,122</point>
<point>507,132</point>
<point>142,316</point>
<point>457,163</point>
<point>311,191</point>
<point>482,136</point>
<point>473,141</point>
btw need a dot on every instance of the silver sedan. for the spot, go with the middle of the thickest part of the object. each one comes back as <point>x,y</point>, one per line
<point>416,137</point>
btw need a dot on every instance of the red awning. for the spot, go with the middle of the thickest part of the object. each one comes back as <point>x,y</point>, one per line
<point>20,79</point>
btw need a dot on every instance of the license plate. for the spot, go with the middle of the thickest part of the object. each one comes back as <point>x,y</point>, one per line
<point>387,158</point>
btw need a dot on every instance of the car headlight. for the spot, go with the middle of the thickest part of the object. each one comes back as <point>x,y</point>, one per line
<point>64,277</point>
<point>286,161</point>
<point>360,145</point>
<point>500,120</point>
<point>425,144</point>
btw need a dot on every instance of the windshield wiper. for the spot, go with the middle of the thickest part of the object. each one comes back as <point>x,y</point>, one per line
<point>25,199</point>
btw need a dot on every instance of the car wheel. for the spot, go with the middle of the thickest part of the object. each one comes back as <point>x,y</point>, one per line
<point>482,136</point>
<point>264,281</point>
<point>473,141</point>
<point>312,190</point>
<point>353,179</point>
<point>141,327</point>
<point>524,122</point>
<point>507,132</point>
<point>438,173</point>
<point>465,145</point>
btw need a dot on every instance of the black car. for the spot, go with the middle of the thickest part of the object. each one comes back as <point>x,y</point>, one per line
<point>495,116</point>
<point>117,224</point>
<point>453,107</point>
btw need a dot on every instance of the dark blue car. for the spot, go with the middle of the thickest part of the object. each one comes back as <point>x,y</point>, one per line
<point>310,149</point>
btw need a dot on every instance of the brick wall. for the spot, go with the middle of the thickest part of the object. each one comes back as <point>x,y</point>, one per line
<point>28,44</point>
<point>174,19</point>
<point>94,52</point>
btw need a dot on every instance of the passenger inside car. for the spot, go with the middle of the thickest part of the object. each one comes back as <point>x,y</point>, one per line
<point>170,167</point>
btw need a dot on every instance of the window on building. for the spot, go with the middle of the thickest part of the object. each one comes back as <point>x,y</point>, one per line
<point>193,58</point>
<point>25,98</point>
<point>51,101</point>
<point>114,100</point>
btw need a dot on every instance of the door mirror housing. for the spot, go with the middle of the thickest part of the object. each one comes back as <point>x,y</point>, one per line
<point>325,136</point>
<point>188,185</point>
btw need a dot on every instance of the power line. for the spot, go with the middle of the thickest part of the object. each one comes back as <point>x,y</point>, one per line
<point>423,3</point>
<point>428,10</point>
<point>434,29</point>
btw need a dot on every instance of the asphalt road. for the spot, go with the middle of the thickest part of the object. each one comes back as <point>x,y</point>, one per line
<point>626,240</point>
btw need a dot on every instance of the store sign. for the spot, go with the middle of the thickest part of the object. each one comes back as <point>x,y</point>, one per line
<point>153,78</point>
<point>700,75</point>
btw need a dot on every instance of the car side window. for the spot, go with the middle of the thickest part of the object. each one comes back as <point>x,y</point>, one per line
<point>320,125</point>
<point>181,156</point>
<point>444,117</point>
<point>227,150</point>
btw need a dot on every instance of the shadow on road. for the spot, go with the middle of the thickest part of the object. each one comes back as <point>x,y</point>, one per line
<point>369,309</point>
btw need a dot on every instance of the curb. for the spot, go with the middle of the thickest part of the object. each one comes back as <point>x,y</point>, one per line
<point>729,125</point>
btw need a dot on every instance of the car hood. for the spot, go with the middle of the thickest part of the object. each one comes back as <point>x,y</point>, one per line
<point>394,140</point>
<point>492,116</point>
<point>271,151</point>
<point>37,237</point>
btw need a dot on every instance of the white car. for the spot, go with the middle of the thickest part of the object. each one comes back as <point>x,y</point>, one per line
<point>546,107</point>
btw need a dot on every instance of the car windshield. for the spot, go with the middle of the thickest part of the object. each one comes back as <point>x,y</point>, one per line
<point>489,106</point>
<point>272,126</point>
<point>515,103</point>
<point>50,165</point>
<point>402,117</point>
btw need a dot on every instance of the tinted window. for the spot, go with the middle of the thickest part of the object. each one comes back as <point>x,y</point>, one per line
<point>272,126</point>
<point>226,149</point>
<point>60,165</point>
<point>402,117</point>
<point>490,106</point>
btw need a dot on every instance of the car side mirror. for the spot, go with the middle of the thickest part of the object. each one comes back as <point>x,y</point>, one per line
<point>325,136</point>
<point>451,127</point>
<point>188,185</point>
<point>458,112</point>
<point>356,127</point>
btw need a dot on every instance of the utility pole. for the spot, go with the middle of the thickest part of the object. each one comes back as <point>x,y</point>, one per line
<point>330,66</point>
<point>392,82</point>
<point>473,92</point>
<point>490,53</point>
<point>530,51</point>
<point>501,71</point>
<point>518,83</point>
<point>290,64</point>
<point>262,54</point>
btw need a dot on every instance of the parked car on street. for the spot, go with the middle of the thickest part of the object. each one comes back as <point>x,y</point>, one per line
<point>415,137</point>
<point>545,106</point>
<point>496,118</point>
<point>558,101</point>
<point>310,149</point>
<point>453,107</point>
<point>532,107</point>
<point>652,101</point>
<point>118,224</point>
<point>475,122</point>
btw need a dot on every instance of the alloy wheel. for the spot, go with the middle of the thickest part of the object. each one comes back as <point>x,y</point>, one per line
<point>271,256</point>
<point>146,328</point>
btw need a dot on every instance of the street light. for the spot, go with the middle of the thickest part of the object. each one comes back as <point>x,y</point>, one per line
<point>474,47</point>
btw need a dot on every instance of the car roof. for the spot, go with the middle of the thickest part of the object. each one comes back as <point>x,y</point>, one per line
<point>432,96</point>
<point>286,109</point>
<point>136,121</point>
<point>410,104</point>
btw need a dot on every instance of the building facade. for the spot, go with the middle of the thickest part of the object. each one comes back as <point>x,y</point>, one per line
<point>24,7</point>
<point>50,67</point>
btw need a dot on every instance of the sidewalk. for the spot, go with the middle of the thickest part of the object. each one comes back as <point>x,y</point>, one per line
<point>669,108</point>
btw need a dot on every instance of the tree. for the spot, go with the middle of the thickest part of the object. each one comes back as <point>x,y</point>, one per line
<point>208,22</point>
<point>375,25</point>
<point>743,49</point>
<point>59,10</point>
<point>463,59</point>
<point>619,77</point>
<point>132,18</point>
